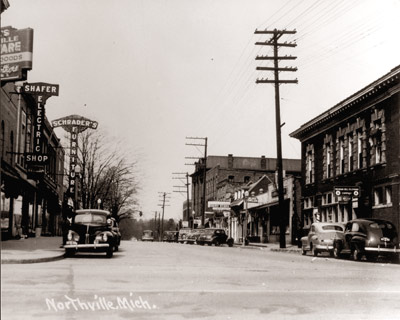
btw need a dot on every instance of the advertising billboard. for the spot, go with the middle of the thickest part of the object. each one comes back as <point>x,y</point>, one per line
<point>16,53</point>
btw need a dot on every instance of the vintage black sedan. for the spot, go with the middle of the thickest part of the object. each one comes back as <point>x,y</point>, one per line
<point>214,236</point>
<point>91,230</point>
<point>371,238</point>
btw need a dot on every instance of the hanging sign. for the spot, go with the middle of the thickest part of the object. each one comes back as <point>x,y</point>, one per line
<point>16,53</point>
<point>40,92</point>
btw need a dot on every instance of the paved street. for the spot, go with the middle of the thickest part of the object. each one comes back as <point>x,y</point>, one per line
<point>176,281</point>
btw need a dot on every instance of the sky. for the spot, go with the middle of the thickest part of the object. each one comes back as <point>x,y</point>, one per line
<point>154,72</point>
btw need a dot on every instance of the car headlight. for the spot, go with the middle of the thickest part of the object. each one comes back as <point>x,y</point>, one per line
<point>72,235</point>
<point>102,237</point>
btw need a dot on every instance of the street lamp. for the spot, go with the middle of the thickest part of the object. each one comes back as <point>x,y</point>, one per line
<point>98,203</point>
<point>77,170</point>
<point>245,196</point>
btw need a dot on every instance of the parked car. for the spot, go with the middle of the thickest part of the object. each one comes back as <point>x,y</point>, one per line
<point>91,230</point>
<point>148,235</point>
<point>320,237</point>
<point>183,234</point>
<point>214,236</point>
<point>370,238</point>
<point>194,235</point>
<point>170,236</point>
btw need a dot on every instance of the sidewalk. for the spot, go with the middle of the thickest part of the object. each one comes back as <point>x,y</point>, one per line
<point>31,250</point>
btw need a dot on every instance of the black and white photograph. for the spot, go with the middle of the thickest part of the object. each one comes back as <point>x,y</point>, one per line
<point>200,159</point>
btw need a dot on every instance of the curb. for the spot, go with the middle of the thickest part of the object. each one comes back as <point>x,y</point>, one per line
<point>32,260</point>
<point>286,250</point>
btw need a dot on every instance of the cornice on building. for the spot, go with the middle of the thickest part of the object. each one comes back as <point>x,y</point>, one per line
<point>387,81</point>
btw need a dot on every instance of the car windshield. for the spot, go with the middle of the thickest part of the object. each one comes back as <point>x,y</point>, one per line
<point>332,228</point>
<point>386,228</point>
<point>91,218</point>
<point>148,233</point>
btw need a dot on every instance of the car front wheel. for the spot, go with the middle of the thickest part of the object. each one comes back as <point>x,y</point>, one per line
<point>336,251</point>
<point>356,254</point>
<point>110,252</point>
<point>314,252</point>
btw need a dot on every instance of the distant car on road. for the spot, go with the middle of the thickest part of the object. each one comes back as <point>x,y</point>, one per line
<point>320,237</point>
<point>148,235</point>
<point>91,230</point>
<point>371,238</point>
<point>214,236</point>
<point>170,236</point>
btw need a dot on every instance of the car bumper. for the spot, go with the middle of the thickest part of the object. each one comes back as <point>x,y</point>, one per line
<point>324,247</point>
<point>381,250</point>
<point>87,246</point>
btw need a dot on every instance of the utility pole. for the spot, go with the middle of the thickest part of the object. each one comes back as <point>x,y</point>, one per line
<point>155,222</point>
<point>163,205</point>
<point>203,199</point>
<point>187,190</point>
<point>273,41</point>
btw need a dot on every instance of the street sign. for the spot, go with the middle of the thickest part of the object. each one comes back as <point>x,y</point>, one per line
<point>347,191</point>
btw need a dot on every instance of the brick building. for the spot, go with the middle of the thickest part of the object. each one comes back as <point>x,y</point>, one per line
<point>227,173</point>
<point>31,197</point>
<point>354,144</point>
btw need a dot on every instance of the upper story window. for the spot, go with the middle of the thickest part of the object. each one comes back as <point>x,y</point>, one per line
<point>341,156</point>
<point>359,150</point>
<point>350,158</point>
<point>377,137</point>
<point>328,157</point>
<point>310,164</point>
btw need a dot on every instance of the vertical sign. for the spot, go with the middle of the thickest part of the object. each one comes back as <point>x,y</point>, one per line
<point>40,92</point>
<point>74,124</point>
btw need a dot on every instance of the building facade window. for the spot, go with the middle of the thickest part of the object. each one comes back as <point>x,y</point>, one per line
<point>350,152</point>
<point>383,196</point>
<point>231,179</point>
<point>377,137</point>
<point>310,164</point>
<point>359,150</point>
<point>341,156</point>
<point>328,157</point>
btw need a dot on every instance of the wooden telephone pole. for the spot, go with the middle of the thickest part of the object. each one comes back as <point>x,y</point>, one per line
<point>203,200</point>
<point>273,41</point>
<point>186,185</point>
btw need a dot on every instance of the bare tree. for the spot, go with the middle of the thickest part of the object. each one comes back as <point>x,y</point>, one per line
<point>107,173</point>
